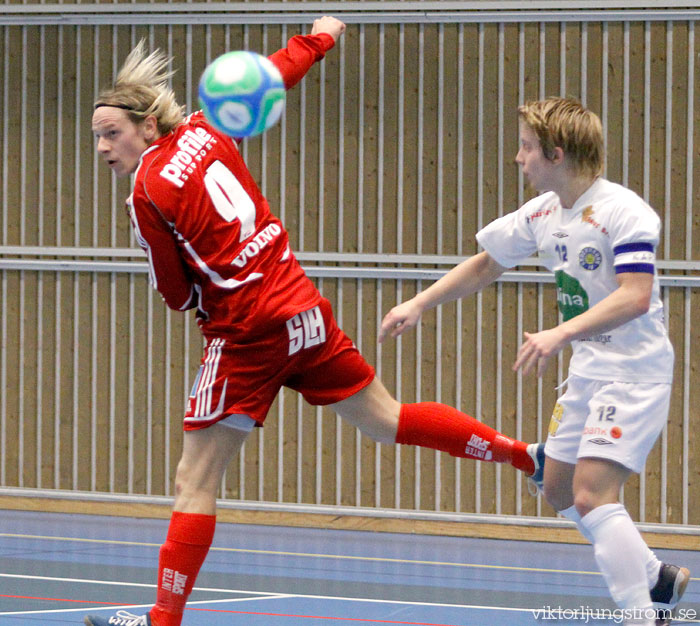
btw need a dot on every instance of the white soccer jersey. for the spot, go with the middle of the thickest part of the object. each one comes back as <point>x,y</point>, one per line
<point>609,230</point>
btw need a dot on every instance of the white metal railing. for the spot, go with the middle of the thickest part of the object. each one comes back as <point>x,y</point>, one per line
<point>17,262</point>
<point>431,12</point>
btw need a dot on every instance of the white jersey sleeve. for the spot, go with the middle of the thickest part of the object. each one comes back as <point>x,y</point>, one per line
<point>635,237</point>
<point>509,240</point>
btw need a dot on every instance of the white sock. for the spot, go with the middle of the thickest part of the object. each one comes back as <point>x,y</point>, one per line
<point>621,555</point>
<point>653,565</point>
<point>572,514</point>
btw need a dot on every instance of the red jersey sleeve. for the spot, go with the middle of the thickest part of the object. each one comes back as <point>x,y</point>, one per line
<point>301,53</point>
<point>167,272</point>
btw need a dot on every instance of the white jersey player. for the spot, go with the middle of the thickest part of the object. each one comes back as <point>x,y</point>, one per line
<point>599,239</point>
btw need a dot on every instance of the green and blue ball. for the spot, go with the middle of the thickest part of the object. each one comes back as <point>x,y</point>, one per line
<point>242,93</point>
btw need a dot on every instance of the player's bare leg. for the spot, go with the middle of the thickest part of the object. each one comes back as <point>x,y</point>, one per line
<point>206,454</point>
<point>432,425</point>
<point>373,410</point>
<point>597,483</point>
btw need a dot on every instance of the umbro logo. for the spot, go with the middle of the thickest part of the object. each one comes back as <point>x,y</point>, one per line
<point>560,235</point>
<point>600,442</point>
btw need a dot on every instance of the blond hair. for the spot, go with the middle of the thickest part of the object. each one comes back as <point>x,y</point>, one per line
<point>565,123</point>
<point>142,89</point>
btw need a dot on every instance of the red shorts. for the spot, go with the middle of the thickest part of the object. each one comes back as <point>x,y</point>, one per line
<point>309,354</point>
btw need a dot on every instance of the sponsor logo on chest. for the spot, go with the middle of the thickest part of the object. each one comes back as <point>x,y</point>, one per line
<point>193,147</point>
<point>587,218</point>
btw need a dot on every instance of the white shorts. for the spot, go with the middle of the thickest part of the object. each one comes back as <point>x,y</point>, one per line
<point>608,420</point>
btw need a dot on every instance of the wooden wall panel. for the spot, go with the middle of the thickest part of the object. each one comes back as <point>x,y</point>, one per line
<point>402,141</point>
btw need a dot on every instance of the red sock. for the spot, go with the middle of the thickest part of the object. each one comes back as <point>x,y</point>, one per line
<point>185,548</point>
<point>438,426</point>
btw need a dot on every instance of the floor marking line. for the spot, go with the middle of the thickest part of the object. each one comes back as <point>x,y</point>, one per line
<point>282,596</point>
<point>79,539</point>
<point>191,604</point>
<point>328,617</point>
<point>114,606</point>
<point>89,581</point>
<point>17,597</point>
<point>98,607</point>
<point>92,581</point>
<point>350,619</point>
<point>346,557</point>
<point>278,595</point>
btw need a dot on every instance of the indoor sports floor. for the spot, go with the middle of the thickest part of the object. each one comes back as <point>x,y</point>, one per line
<point>54,568</point>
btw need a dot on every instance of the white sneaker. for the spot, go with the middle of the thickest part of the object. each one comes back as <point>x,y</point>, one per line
<point>120,618</point>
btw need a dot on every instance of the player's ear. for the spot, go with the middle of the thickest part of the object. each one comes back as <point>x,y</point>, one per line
<point>150,128</point>
<point>557,155</point>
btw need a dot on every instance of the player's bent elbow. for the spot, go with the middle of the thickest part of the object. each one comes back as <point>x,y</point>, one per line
<point>642,304</point>
<point>180,304</point>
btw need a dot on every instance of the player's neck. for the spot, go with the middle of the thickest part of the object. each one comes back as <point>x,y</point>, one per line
<point>574,188</point>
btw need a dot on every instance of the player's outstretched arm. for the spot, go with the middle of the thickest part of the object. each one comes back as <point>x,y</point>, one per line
<point>467,278</point>
<point>303,51</point>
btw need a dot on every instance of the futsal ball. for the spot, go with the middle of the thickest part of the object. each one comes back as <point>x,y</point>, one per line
<point>242,93</point>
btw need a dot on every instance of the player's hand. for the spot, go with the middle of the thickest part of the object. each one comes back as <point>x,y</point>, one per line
<point>327,24</point>
<point>537,349</point>
<point>400,318</point>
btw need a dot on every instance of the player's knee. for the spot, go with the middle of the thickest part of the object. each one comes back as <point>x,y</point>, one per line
<point>183,480</point>
<point>193,478</point>
<point>194,493</point>
<point>585,501</point>
<point>554,499</point>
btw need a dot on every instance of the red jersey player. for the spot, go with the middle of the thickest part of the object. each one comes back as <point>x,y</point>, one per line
<point>213,244</point>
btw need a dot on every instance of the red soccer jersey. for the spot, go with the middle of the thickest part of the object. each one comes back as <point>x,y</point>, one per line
<point>211,240</point>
